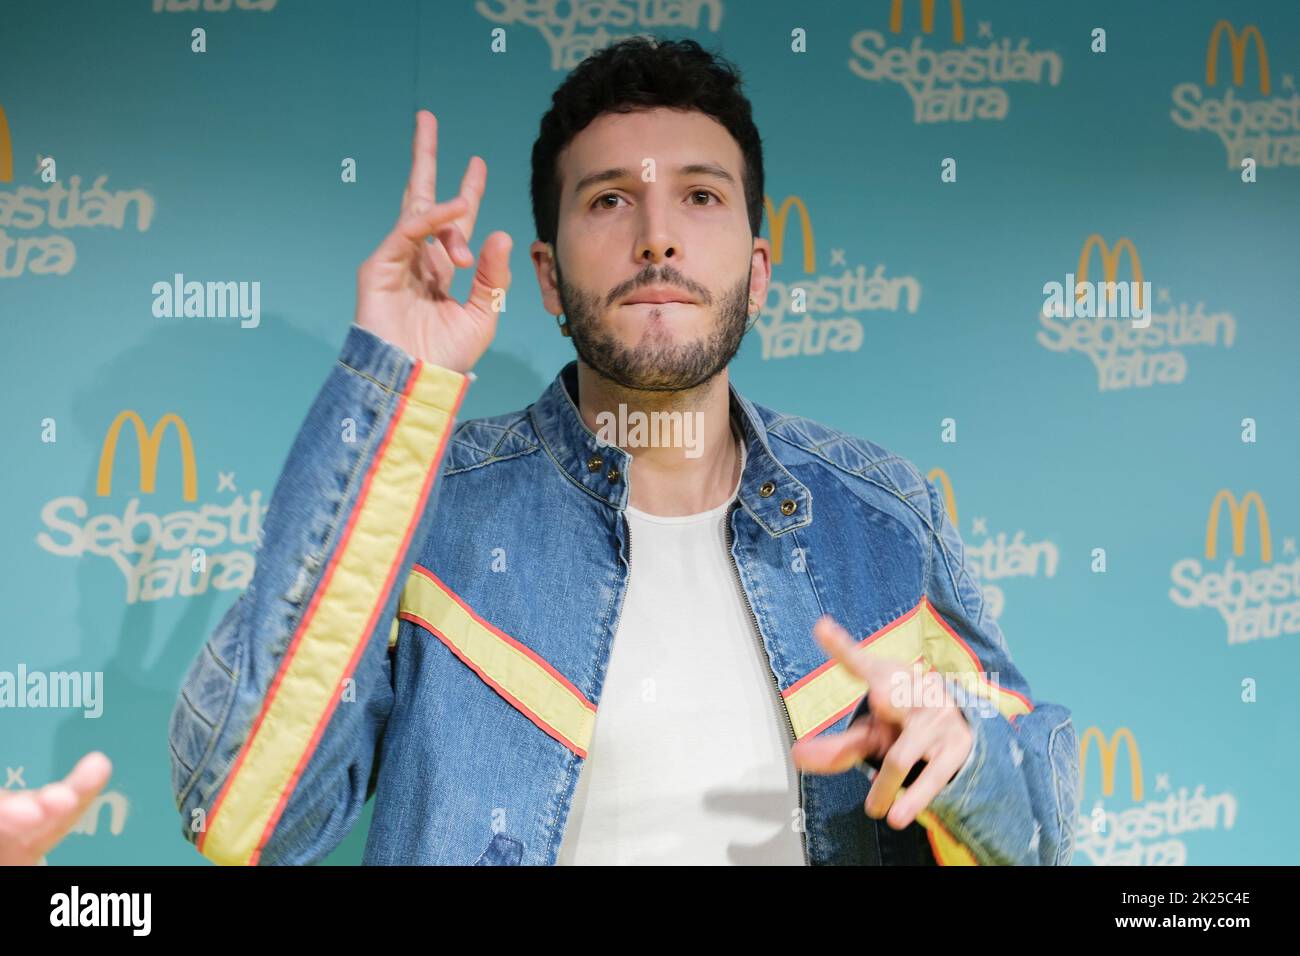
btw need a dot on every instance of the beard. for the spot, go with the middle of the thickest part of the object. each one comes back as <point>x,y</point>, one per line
<point>656,363</point>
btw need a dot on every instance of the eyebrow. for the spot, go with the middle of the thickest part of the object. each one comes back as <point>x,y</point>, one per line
<point>622,172</point>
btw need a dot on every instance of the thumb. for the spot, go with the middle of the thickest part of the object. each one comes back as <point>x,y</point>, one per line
<point>492,274</point>
<point>64,801</point>
<point>834,753</point>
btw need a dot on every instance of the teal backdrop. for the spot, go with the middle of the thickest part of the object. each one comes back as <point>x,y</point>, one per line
<point>930,174</point>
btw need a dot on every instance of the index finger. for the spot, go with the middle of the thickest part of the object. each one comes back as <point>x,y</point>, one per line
<point>873,669</point>
<point>423,180</point>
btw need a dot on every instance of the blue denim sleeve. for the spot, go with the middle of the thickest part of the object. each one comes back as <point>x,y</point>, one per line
<point>274,733</point>
<point>1015,800</point>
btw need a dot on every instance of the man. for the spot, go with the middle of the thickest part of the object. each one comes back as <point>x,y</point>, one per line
<point>487,654</point>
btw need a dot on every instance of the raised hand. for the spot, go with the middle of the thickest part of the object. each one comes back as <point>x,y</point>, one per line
<point>403,288</point>
<point>33,821</point>
<point>897,733</point>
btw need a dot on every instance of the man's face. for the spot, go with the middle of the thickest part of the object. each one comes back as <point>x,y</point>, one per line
<point>685,232</point>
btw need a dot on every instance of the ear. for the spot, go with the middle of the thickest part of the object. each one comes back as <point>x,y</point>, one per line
<point>543,257</point>
<point>760,272</point>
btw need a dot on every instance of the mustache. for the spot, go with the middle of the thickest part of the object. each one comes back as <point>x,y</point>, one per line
<point>666,276</point>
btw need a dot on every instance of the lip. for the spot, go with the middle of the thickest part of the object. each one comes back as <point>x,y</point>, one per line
<point>658,297</point>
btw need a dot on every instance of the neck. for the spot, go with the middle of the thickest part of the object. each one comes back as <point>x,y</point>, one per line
<point>684,455</point>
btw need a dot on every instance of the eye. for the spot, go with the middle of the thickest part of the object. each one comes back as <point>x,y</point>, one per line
<point>601,198</point>
<point>705,192</point>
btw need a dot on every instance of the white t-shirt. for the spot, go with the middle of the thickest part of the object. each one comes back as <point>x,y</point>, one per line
<point>690,757</point>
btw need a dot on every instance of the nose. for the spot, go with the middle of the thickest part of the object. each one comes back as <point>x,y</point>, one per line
<point>657,241</point>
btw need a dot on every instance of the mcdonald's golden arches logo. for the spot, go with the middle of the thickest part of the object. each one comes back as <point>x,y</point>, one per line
<point>149,443</point>
<point>1237,50</point>
<point>1109,262</point>
<point>1237,511</point>
<point>927,18</point>
<point>940,476</point>
<point>1109,750</point>
<point>776,219</point>
<point>6,150</point>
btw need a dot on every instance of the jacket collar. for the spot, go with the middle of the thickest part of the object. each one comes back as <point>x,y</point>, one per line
<point>767,489</point>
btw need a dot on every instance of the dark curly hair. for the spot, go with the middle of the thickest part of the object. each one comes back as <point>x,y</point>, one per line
<point>643,73</point>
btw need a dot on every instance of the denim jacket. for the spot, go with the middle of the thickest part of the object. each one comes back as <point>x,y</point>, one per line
<point>433,606</point>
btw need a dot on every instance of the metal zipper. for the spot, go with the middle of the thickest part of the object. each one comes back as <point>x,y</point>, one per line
<point>803,817</point>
